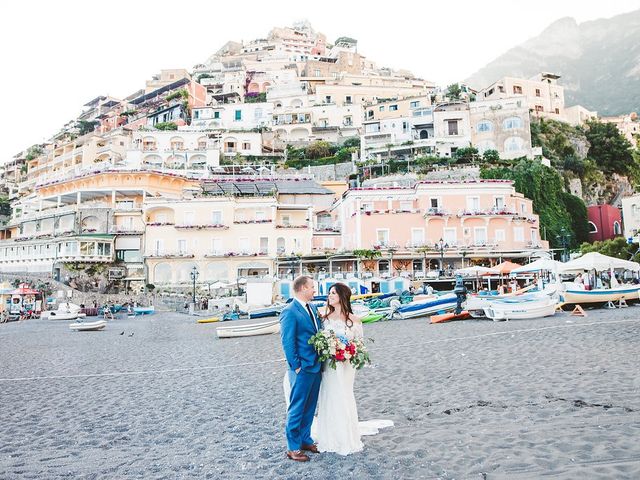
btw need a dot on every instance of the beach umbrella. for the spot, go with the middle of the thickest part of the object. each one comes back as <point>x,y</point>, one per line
<point>218,285</point>
<point>505,268</point>
<point>539,265</point>
<point>477,271</point>
<point>24,290</point>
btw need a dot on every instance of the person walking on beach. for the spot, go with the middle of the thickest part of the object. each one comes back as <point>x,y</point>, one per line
<point>298,323</point>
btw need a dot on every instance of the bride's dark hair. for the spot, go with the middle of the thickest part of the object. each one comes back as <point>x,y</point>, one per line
<point>344,296</point>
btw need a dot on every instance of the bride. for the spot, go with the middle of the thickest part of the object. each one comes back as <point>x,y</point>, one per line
<point>336,427</point>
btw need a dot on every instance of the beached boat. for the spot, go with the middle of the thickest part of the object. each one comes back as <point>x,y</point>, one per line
<point>373,317</point>
<point>208,320</point>
<point>58,315</point>
<point>88,326</point>
<point>442,303</point>
<point>143,310</point>
<point>449,317</point>
<point>521,308</point>
<point>476,304</point>
<point>601,295</point>
<point>264,328</point>
<point>265,312</point>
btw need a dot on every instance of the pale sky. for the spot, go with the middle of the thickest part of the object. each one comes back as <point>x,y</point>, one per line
<point>58,55</point>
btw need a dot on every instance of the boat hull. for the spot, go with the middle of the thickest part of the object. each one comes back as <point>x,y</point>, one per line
<point>601,295</point>
<point>88,326</point>
<point>265,328</point>
<point>421,309</point>
<point>521,310</point>
<point>58,315</point>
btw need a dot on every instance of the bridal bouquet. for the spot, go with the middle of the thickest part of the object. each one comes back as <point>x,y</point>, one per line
<point>337,348</point>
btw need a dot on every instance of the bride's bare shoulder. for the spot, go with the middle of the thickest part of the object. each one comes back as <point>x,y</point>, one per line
<point>355,318</point>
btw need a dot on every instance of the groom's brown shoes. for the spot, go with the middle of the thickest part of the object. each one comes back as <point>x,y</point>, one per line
<point>297,455</point>
<point>310,448</point>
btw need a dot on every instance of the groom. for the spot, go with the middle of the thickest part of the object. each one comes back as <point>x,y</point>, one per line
<point>298,323</point>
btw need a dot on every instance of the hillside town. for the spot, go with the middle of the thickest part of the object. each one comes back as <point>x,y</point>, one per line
<point>194,175</point>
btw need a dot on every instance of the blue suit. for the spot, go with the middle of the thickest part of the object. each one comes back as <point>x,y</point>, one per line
<point>296,328</point>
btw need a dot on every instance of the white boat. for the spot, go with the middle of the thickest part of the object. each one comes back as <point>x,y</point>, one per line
<point>520,309</point>
<point>58,315</point>
<point>249,330</point>
<point>600,295</point>
<point>88,326</point>
<point>476,304</point>
<point>442,303</point>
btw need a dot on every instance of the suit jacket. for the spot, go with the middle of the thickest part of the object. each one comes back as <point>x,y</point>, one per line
<point>296,328</point>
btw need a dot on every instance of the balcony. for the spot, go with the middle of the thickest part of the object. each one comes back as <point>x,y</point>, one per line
<point>121,230</point>
<point>163,254</point>
<point>246,222</point>
<point>283,225</point>
<point>327,229</point>
<point>209,226</point>
<point>436,212</point>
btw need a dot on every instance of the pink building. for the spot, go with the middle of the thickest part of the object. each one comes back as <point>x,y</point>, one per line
<point>417,228</point>
<point>605,222</point>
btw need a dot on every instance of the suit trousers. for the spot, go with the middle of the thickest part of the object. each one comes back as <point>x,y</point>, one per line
<point>302,407</point>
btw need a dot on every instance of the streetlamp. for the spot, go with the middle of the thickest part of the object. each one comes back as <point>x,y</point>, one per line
<point>194,276</point>
<point>441,250</point>
<point>563,239</point>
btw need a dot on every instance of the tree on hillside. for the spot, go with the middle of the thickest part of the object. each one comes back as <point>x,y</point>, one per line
<point>5,206</point>
<point>545,187</point>
<point>491,156</point>
<point>609,148</point>
<point>616,247</point>
<point>453,92</point>
<point>465,155</point>
<point>318,149</point>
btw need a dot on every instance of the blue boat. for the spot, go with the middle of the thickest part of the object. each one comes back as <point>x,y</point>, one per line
<point>421,308</point>
<point>143,310</point>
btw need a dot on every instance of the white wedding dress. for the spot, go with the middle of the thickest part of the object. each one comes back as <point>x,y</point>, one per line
<point>336,427</point>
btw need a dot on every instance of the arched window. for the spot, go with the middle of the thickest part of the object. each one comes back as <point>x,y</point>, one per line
<point>593,228</point>
<point>424,134</point>
<point>617,230</point>
<point>484,126</point>
<point>513,144</point>
<point>512,123</point>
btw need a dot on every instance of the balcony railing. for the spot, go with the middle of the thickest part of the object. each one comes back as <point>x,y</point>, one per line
<point>282,225</point>
<point>172,254</point>
<point>436,211</point>
<point>212,226</point>
<point>126,230</point>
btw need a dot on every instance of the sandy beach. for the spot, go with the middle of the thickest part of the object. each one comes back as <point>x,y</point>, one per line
<point>556,397</point>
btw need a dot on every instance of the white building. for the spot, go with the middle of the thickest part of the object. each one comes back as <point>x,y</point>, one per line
<point>237,116</point>
<point>451,127</point>
<point>174,150</point>
<point>503,125</point>
<point>631,217</point>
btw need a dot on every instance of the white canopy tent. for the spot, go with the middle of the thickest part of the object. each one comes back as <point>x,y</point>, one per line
<point>597,261</point>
